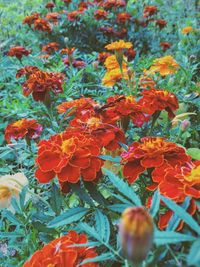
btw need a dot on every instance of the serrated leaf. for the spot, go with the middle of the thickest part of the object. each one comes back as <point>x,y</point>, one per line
<point>123,188</point>
<point>186,217</point>
<point>102,225</point>
<point>170,237</point>
<point>70,216</point>
<point>194,255</point>
<point>118,207</point>
<point>155,203</point>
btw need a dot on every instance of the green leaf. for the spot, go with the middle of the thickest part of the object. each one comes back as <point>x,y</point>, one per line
<point>194,255</point>
<point>194,153</point>
<point>110,158</point>
<point>123,188</point>
<point>103,257</point>
<point>55,200</point>
<point>102,225</point>
<point>11,217</point>
<point>95,194</point>
<point>155,203</point>
<point>81,192</point>
<point>186,217</point>
<point>70,216</point>
<point>170,237</point>
<point>118,207</point>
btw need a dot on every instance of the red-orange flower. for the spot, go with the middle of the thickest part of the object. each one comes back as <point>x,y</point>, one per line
<point>149,11</point>
<point>53,17</point>
<point>50,5</point>
<point>69,156</point>
<point>156,100</point>
<point>73,15</point>
<point>161,23</point>
<point>109,4</point>
<point>123,17</point>
<point>100,14</point>
<point>61,253</point>
<point>40,83</point>
<point>68,50</point>
<point>23,128</point>
<point>50,47</point>
<point>165,45</point>
<point>18,52</point>
<point>42,25</point>
<point>151,152</point>
<point>102,56</point>
<point>31,19</point>
<point>130,54</point>
<point>75,63</point>
<point>28,70</point>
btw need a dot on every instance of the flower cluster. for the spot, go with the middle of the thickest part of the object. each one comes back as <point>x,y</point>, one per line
<point>60,252</point>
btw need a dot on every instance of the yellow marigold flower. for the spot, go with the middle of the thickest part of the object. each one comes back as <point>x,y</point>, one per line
<point>136,233</point>
<point>112,76</point>
<point>112,63</point>
<point>119,45</point>
<point>164,65</point>
<point>11,185</point>
<point>187,29</point>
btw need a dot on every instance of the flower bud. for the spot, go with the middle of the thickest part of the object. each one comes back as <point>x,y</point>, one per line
<point>136,233</point>
<point>184,125</point>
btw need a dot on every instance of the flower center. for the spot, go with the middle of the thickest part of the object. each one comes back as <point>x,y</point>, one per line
<point>18,123</point>
<point>194,175</point>
<point>67,145</point>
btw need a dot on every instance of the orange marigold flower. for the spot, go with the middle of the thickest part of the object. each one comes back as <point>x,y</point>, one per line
<point>109,4</point>
<point>156,100</point>
<point>60,252</point>
<point>18,52</point>
<point>23,128</point>
<point>40,83</point>
<point>28,70</point>
<point>50,47</point>
<point>151,152</point>
<point>42,25</point>
<point>73,15</point>
<point>123,17</point>
<point>186,30</point>
<point>149,11</point>
<point>50,5</point>
<point>68,50</point>
<point>112,76</point>
<point>100,14</point>
<point>31,19</point>
<point>69,156</point>
<point>53,17</point>
<point>164,65</point>
<point>161,23</point>
<point>77,106</point>
<point>119,45</point>
<point>165,45</point>
<point>103,56</point>
<point>179,181</point>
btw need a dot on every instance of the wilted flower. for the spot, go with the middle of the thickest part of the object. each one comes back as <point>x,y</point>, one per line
<point>69,156</point>
<point>23,128</point>
<point>164,65</point>
<point>186,30</point>
<point>18,52</point>
<point>136,233</point>
<point>151,153</point>
<point>60,252</point>
<point>50,47</point>
<point>11,185</point>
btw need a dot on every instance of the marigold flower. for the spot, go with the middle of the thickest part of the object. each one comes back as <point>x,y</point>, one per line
<point>28,70</point>
<point>136,233</point>
<point>112,76</point>
<point>11,185</point>
<point>149,11</point>
<point>75,63</point>
<point>69,156</point>
<point>40,83</point>
<point>164,65</point>
<point>151,152</point>
<point>60,252</point>
<point>146,82</point>
<point>109,31</point>
<point>50,47</point>
<point>68,50</point>
<point>100,14</point>
<point>23,128</point>
<point>186,30</point>
<point>18,52</point>
<point>42,25</point>
<point>50,5</point>
<point>154,100</point>
<point>161,23</point>
<point>121,33</point>
<point>109,4</point>
<point>31,19</point>
<point>165,45</point>
<point>103,56</point>
<point>130,54</point>
<point>53,17</point>
<point>119,45</point>
<point>73,15</point>
<point>123,17</point>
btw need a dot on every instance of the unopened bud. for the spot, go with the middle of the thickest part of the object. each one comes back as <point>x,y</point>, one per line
<point>136,233</point>
<point>95,64</point>
<point>184,125</point>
